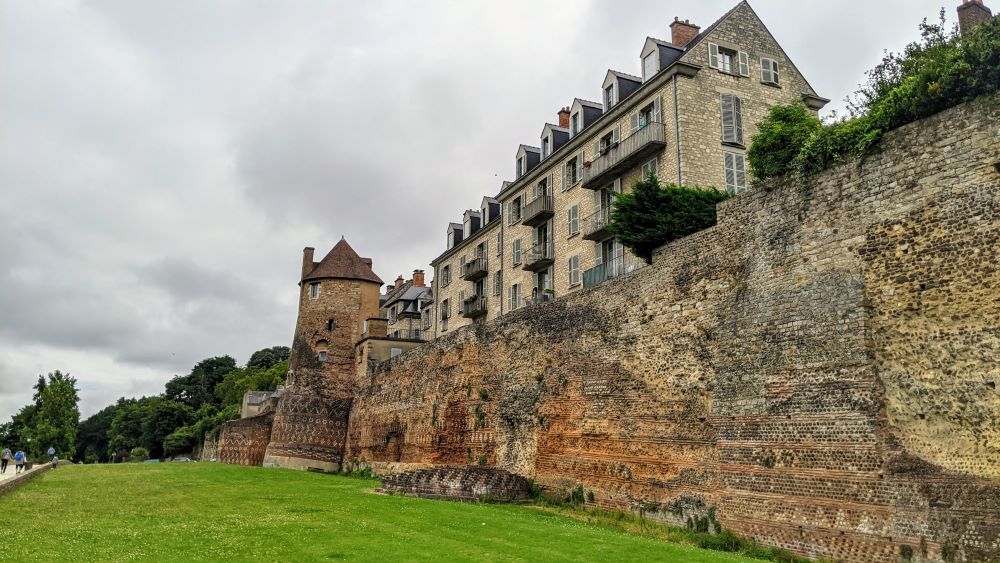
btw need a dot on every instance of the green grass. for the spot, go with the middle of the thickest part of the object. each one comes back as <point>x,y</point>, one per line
<point>214,512</point>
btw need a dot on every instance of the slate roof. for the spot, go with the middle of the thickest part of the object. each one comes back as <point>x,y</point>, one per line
<point>343,262</point>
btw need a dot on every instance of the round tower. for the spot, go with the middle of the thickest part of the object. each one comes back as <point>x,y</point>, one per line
<point>336,296</point>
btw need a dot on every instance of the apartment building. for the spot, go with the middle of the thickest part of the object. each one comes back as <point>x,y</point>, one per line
<point>403,305</point>
<point>687,116</point>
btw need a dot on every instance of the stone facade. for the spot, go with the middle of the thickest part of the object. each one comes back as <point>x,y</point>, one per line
<point>451,291</point>
<point>820,368</point>
<point>459,483</point>
<point>684,104</point>
<point>244,441</point>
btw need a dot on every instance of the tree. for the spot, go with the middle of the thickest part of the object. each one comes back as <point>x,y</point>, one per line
<point>92,435</point>
<point>56,416</point>
<point>269,357</point>
<point>179,441</point>
<point>237,382</point>
<point>198,387</point>
<point>652,215</point>
<point>780,137</point>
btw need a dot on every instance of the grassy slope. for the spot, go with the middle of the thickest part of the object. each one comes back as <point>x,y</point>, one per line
<point>212,511</point>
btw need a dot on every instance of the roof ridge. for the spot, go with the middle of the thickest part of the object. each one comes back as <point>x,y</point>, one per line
<point>342,262</point>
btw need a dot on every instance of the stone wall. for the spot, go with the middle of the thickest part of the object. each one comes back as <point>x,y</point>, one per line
<point>9,485</point>
<point>459,483</point>
<point>821,367</point>
<point>243,441</point>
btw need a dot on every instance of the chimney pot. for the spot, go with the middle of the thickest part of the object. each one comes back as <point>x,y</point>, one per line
<point>564,118</point>
<point>682,32</point>
<point>418,278</point>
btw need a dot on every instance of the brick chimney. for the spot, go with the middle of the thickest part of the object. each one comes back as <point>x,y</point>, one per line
<point>564,118</point>
<point>307,260</point>
<point>418,278</point>
<point>399,281</point>
<point>388,288</point>
<point>682,32</point>
<point>972,14</point>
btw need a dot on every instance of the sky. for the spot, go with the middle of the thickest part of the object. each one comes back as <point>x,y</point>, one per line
<point>164,162</point>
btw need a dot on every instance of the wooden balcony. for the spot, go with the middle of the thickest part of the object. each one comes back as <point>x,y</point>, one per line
<point>538,211</point>
<point>474,306</point>
<point>539,257</point>
<point>475,269</point>
<point>595,227</point>
<point>628,153</point>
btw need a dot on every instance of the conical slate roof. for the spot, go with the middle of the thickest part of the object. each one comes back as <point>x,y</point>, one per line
<point>343,263</point>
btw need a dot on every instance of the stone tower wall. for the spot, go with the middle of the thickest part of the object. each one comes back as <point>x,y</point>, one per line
<point>821,367</point>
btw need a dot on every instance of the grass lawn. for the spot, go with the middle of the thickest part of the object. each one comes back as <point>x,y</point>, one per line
<point>213,511</point>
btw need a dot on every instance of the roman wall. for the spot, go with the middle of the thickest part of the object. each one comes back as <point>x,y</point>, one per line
<point>821,367</point>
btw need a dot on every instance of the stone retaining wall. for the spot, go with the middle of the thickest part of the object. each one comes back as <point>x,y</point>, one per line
<point>9,485</point>
<point>459,483</point>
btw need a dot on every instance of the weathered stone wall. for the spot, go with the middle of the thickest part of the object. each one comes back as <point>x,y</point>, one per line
<point>459,483</point>
<point>821,367</point>
<point>243,441</point>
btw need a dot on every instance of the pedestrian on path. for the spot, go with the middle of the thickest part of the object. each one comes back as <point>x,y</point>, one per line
<point>5,458</point>
<point>55,461</point>
<point>19,459</point>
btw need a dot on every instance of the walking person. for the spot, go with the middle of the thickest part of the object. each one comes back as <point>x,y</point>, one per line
<point>5,458</point>
<point>19,459</point>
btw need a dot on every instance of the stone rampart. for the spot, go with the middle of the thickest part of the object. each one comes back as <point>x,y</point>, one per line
<point>244,441</point>
<point>821,367</point>
<point>459,483</point>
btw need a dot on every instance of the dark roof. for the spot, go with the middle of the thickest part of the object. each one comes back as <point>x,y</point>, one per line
<point>588,103</point>
<point>697,38</point>
<point>624,75</point>
<point>343,263</point>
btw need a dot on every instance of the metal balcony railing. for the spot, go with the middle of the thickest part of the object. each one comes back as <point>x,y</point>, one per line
<point>539,257</point>
<point>538,211</point>
<point>595,226</point>
<point>617,158</point>
<point>474,306</point>
<point>475,269</point>
<point>618,265</point>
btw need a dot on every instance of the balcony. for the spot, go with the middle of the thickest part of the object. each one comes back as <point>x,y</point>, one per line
<point>539,257</point>
<point>612,268</point>
<point>595,227</point>
<point>474,306</point>
<point>538,211</point>
<point>475,269</point>
<point>626,154</point>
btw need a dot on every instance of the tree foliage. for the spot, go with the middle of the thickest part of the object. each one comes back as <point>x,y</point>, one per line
<point>939,71</point>
<point>652,215</point>
<point>268,357</point>
<point>50,421</point>
<point>237,382</point>
<point>198,387</point>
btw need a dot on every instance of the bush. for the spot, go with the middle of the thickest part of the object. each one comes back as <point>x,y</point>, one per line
<point>652,215</point>
<point>180,441</point>
<point>138,453</point>
<point>941,70</point>
<point>780,137</point>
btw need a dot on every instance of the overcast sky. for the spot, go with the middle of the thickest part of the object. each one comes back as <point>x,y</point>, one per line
<point>162,163</point>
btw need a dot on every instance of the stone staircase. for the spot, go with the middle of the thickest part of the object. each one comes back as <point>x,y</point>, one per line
<point>459,483</point>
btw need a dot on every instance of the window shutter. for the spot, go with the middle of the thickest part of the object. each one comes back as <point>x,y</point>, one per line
<point>774,71</point>
<point>549,185</point>
<point>765,71</point>
<point>713,55</point>
<point>579,166</point>
<point>730,167</point>
<point>597,148</point>
<point>508,212</point>
<point>598,252</point>
<point>744,64</point>
<point>618,186</point>
<point>741,173</point>
<point>565,178</point>
<point>569,221</point>
<point>633,123</point>
<point>656,109</point>
<point>728,116</point>
<point>486,249</point>
<point>738,118</point>
<point>616,134</point>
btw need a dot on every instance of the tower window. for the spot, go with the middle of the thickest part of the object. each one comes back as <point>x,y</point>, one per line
<point>330,325</point>
<point>322,355</point>
<point>314,290</point>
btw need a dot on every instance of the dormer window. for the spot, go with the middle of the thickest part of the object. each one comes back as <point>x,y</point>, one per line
<point>467,228</point>
<point>520,166</point>
<point>574,124</point>
<point>649,66</point>
<point>609,96</point>
<point>545,147</point>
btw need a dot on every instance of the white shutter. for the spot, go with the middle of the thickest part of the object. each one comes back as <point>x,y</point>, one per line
<point>597,148</point>
<point>738,119</point>
<point>618,186</point>
<point>598,253</point>
<point>486,248</point>
<point>744,64</point>
<point>633,123</point>
<point>549,185</point>
<point>774,71</point>
<point>730,167</point>
<point>616,134</point>
<point>740,173</point>
<point>565,178</point>
<point>656,110</point>
<point>579,167</point>
<point>728,127</point>
<point>713,55</point>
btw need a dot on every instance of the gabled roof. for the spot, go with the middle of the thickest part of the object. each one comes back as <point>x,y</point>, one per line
<point>343,263</point>
<point>622,75</point>
<point>588,103</point>
<point>697,38</point>
<point>527,148</point>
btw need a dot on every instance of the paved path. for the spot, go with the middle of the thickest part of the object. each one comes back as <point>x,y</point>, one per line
<point>10,471</point>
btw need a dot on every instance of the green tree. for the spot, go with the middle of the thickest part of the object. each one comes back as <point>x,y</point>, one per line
<point>198,387</point>
<point>56,417</point>
<point>182,440</point>
<point>92,436</point>
<point>237,382</point>
<point>652,215</point>
<point>780,137</point>
<point>268,357</point>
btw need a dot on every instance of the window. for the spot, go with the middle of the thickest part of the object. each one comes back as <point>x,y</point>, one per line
<point>514,210</point>
<point>769,71</point>
<point>609,96</point>
<point>573,220</point>
<point>314,290</point>
<point>514,297</point>
<point>499,243</point>
<point>542,188</point>
<point>574,124</point>
<point>445,276</point>
<point>520,166</point>
<point>604,143</point>
<point>732,119</point>
<point>572,172</point>
<point>649,66</point>
<point>497,282</point>
<point>728,60</point>
<point>330,325</point>
<point>574,270</point>
<point>736,173</point>
<point>322,355</point>
<point>516,253</point>
<point>393,352</point>
<point>650,167</point>
<point>545,147</point>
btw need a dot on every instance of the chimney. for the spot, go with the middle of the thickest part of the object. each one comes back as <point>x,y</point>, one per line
<point>418,278</point>
<point>682,32</point>
<point>307,260</point>
<point>564,118</point>
<point>388,288</point>
<point>972,14</point>
<point>399,281</point>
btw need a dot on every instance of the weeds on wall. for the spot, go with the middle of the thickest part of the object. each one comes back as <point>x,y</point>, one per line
<point>941,70</point>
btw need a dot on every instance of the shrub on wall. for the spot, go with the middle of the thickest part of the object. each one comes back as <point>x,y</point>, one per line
<point>941,70</point>
<point>652,215</point>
